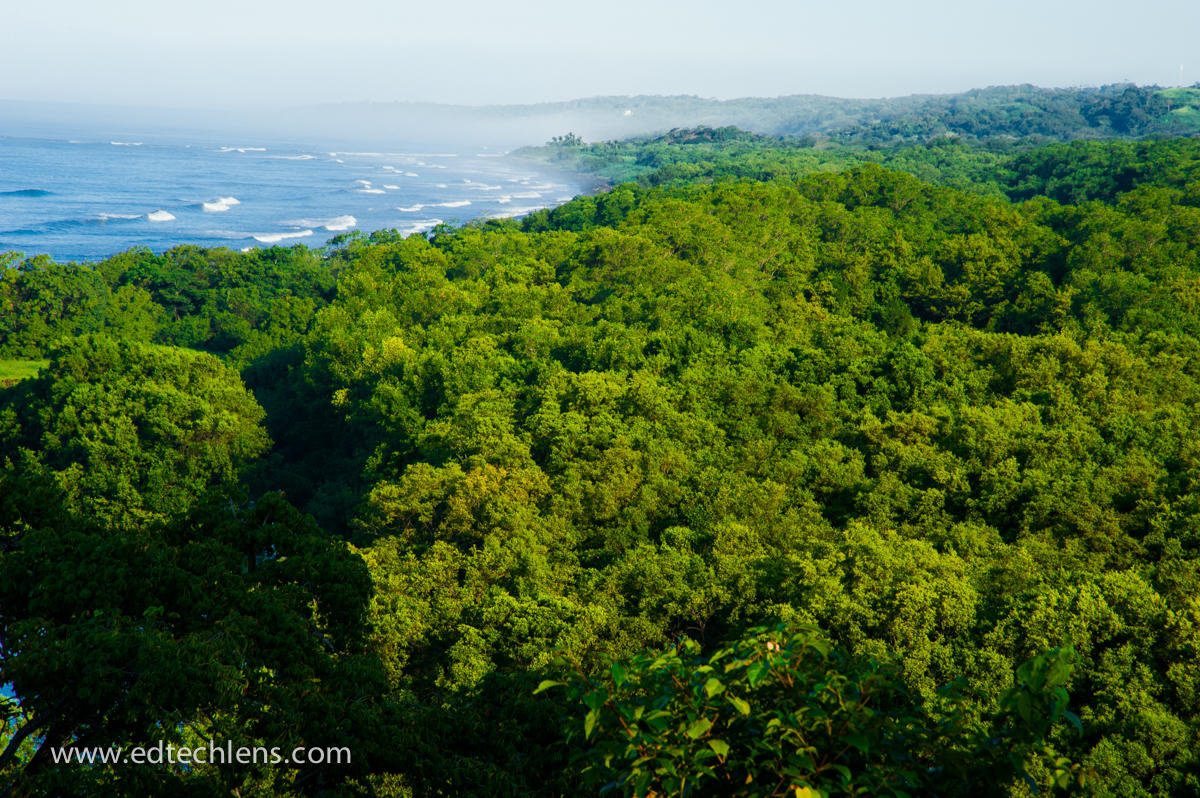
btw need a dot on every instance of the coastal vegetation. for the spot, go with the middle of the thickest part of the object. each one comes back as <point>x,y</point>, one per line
<point>779,468</point>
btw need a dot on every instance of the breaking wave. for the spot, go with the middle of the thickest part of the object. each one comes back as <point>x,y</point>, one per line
<point>220,204</point>
<point>421,226</point>
<point>334,225</point>
<point>275,238</point>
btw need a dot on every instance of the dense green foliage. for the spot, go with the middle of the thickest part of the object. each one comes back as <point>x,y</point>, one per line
<point>1028,111</point>
<point>697,155</point>
<point>131,432</point>
<point>782,712</point>
<point>214,627</point>
<point>219,301</point>
<point>951,430</point>
<point>1017,169</point>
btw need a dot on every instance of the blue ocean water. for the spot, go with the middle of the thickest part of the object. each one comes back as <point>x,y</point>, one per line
<point>81,200</point>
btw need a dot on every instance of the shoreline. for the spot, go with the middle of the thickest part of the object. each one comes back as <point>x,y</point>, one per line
<point>85,202</point>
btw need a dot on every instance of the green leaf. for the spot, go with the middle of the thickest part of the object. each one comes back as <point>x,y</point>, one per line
<point>720,746</point>
<point>713,687</point>
<point>619,673</point>
<point>546,685</point>
<point>756,672</point>
<point>658,721</point>
<point>699,728</point>
<point>589,723</point>
<point>739,704</point>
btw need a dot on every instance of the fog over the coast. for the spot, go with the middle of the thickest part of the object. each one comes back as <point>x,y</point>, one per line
<point>258,54</point>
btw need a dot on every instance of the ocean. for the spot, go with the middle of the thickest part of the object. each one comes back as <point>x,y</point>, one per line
<point>82,200</point>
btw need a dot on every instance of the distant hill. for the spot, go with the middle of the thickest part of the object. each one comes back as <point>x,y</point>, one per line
<point>1000,112</point>
<point>1030,112</point>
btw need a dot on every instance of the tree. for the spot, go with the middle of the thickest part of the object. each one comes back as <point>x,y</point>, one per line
<point>130,432</point>
<point>240,622</point>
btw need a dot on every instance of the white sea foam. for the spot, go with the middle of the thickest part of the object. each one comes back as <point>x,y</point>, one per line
<point>442,185</point>
<point>483,187</point>
<point>126,143</point>
<point>242,149</point>
<point>371,191</point>
<point>340,223</point>
<point>489,155</point>
<point>411,174</point>
<point>504,200</point>
<point>220,204</point>
<point>527,195</point>
<point>275,238</point>
<point>421,226</point>
<point>292,157</point>
<point>336,224</point>
<point>391,188</point>
<point>410,208</point>
<point>453,204</point>
<point>512,212</point>
<point>160,216</point>
<point>363,182</point>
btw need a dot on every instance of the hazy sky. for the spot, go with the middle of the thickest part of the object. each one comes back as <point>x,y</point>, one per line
<point>241,53</point>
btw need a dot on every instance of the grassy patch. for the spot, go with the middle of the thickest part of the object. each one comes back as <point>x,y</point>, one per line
<point>13,371</point>
<point>1181,96</point>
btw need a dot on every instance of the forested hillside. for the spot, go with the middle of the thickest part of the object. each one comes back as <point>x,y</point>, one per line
<point>995,114</point>
<point>783,473</point>
<point>1015,169</point>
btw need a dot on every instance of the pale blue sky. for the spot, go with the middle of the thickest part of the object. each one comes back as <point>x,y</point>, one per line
<point>242,53</point>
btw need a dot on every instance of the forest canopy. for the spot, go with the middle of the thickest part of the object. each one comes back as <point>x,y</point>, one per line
<point>914,429</point>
